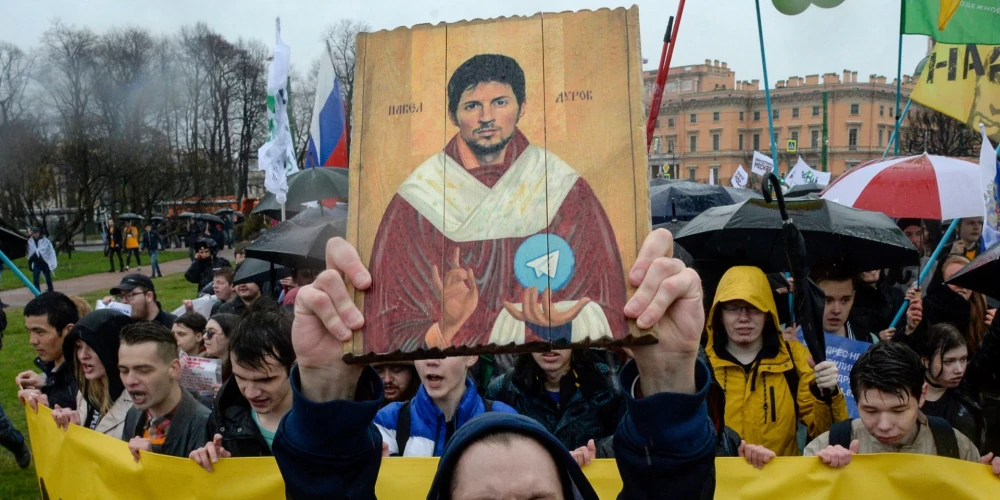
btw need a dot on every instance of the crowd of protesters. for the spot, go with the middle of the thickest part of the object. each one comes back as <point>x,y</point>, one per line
<point>729,377</point>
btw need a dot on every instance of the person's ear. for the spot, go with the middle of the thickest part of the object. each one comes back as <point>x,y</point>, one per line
<point>175,369</point>
<point>925,361</point>
<point>471,361</point>
<point>65,331</point>
<point>522,108</point>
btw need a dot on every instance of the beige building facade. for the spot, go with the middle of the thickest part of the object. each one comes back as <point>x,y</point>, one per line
<point>711,121</point>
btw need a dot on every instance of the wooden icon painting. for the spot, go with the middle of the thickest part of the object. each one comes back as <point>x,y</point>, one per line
<point>500,173</point>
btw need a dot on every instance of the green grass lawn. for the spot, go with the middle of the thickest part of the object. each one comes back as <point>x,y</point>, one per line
<point>17,355</point>
<point>82,264</point>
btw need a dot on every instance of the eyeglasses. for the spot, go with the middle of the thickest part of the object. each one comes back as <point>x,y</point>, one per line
<point>128,297</point>
<point>741,310</point>
<point>211,333</point>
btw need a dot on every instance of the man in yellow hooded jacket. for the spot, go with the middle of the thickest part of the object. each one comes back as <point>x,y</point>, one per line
<point>768,382</point>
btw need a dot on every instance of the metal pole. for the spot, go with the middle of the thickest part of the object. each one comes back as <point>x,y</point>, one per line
<point>17,272</point>
<point>894,139</point>
<point>767,91</point>
<point>927,268</point>
<point>825,131</point>
<point>899,74</point>
<point>654,110</point>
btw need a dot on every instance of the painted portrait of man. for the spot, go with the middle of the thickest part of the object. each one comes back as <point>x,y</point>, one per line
<point>494,239</point>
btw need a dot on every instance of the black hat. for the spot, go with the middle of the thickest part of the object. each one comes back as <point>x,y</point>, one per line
<point>208,243</point>
<point>907,222</point>
<point>131,282</point>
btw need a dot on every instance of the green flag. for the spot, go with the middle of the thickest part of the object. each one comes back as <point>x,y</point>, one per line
<point>953,21</point>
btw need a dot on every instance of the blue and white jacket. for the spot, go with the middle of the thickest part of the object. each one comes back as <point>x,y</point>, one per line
<point>428,427</point>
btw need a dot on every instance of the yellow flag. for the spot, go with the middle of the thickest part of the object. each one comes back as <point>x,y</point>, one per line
<point>963,82</point>
<point>948,8</point>
<point>83,464</point>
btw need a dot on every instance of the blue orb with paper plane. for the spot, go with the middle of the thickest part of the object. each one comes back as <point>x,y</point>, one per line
<point>540,264</point>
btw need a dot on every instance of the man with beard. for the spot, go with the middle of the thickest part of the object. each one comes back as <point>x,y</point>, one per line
<point>252,402</point>
<point>400,380</point>
<point>138,291</point>
<point>246,295</point>
<point>501,229</point>
<point>165,418</point>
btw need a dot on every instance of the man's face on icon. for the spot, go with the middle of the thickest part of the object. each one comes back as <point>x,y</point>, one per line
<point>487,116</point>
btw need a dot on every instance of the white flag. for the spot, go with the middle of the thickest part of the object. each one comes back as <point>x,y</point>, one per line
<point>761,164</point>
<point>802,173</point>
<point>277,156</point>
<point>711,176</point>
<point>988,162</point>
<point>739,178</point>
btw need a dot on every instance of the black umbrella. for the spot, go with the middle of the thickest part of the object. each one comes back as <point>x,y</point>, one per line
<point>804,189</point>
<point>750,233</point>
<point>685,199</point>
<point>131,217</point>
<point>740,194</point>
<point>14,245</point>
<point>224,211</point>
<point>208,218</point>
<point>256,270</point>
<point>981,274</point>
<point>186,215</point>
<point>156,218</point>
<point>321,212</point>
<point>269,206</point>
<point>298,243</point>
<point>315,184</point>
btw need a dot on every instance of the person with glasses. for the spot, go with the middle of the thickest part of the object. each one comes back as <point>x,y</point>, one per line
<point>137,291</point>
<point>769,383</point>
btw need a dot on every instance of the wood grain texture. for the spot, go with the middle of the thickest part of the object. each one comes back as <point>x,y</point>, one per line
<point>582,106</point>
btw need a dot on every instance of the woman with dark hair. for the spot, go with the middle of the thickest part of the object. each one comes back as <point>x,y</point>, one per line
<point>944,303</point>
<point>216,339</point>
<point>91,351</point>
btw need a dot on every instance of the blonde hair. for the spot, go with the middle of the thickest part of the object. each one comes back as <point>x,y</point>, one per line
<point>82,307</point>
<point>95,392</point>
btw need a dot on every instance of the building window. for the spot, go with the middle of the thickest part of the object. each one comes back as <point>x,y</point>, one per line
<point>815,110</point>
<point>881,110</point>
<point>692,173</point>
<point>694,144</point>
<point>670,145</point>
<point>741,142</point>
<point>852,139</point>
<point>880,132</point>
<point>756,116</point>
<point>693,118</point>
<point>795,112</point>
<point>855,109</point>
<point>715,116</point>
<point>670,122</point>
<point>715,175</point>
<point>716,141</point>
<point>741,116</point>
<point>775,114</point>
<point>890,112</point>
<point>794,135</point>
<point>815,138</point>
<point>756,142</point>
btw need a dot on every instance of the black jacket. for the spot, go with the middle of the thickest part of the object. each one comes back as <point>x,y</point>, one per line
<point>116,237</point>
<point>186,431</point>
<point>202,271</point>
<point>874,307</point>
<point>151,242</point>
<point>233,418</point>
<point>60,384</point>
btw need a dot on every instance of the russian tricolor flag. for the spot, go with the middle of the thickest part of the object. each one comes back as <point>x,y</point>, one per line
<point>328,132</point>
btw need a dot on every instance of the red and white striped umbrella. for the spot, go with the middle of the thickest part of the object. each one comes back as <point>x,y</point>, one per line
<point>922,187</point>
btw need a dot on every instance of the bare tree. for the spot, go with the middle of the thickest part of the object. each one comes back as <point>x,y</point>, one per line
<point>250,111</point>
<point>16,69</point>
<point>342,37</point>
<point>301,108</point>
<point>928,131</point>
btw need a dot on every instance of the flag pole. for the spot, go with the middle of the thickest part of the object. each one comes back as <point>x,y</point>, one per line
<point>927,267</point>
<point>17,272</point>
<point>669,40</point>
<point>899,77</point>
<point>895,139</point>
<point>767,92</point>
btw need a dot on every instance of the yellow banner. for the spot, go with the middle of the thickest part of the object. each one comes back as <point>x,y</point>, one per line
<point>963,82</point>
<point>82,464</point>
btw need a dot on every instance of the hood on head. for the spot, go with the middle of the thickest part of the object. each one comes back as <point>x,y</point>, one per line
<point>743,283</point>
<point>101,330</point>
<point>575,484</point>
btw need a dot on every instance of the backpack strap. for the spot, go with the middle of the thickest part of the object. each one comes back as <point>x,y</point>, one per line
<point>488,403</point>
<point>944,437</point>
<point>840,434</point>
<point>792,378</point>
<point>402,428</point>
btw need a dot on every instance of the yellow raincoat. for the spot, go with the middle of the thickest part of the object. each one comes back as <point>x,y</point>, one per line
<point>760,405</point>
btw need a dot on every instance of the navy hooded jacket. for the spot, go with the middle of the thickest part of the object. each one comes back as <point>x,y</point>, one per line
<point>664,447</point>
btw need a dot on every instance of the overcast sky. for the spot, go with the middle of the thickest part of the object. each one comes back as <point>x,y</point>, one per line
<point>860,35</point>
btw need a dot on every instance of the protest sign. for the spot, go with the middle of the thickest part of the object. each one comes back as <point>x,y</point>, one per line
<point>202,306</point>
<point>112,473</point>
<point>960,81</point>
<point>201,375</point>
<point>761,164</point>
<point>125,309</point>
<point>802,173</point>
<point>739,178</point>
<point>469,232</point>
<point>844,352</point>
